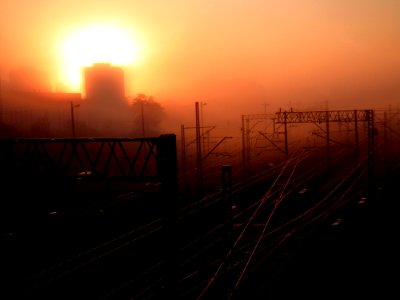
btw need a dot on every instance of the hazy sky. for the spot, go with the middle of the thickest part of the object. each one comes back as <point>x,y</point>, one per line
<point>283,52</point>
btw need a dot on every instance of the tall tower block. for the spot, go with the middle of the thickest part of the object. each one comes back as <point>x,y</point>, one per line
<point>104,84</point>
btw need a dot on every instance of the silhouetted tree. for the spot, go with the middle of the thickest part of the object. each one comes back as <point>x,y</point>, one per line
<point>147,116</point>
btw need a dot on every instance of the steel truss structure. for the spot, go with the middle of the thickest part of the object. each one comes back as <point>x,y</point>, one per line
<point>283,118</point>
<point>323,116</point>
<point>135,158</point>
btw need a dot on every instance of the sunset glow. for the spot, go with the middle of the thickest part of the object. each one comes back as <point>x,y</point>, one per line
<point>195,149</point>
<point>282,52</point>
<point>101,43</point>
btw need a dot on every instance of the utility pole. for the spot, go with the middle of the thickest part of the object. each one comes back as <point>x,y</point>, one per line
<point>385,141</point>
<point>73,120</point>
<point>357,147</point>
<point>244,145</point>
<point>327,137</point>
<point>371,154</point>
<point>1,104</point>
<point>202,123</point>
<point>167,169</point>
<point>286,133</point>
<point>248,143</point>
<point>142,116</point>
<point>198,148</point>
<point>183,151</point>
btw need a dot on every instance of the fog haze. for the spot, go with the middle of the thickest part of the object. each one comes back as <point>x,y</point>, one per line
<point>245,56</point>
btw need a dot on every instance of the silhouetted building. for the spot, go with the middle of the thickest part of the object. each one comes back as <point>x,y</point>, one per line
<point>104,84</point>
<point>36,114</point>
<point>34,111</point>
<point>108,111</point>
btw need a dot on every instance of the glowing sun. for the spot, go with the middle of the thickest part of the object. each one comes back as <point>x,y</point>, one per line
<point>96,44</point>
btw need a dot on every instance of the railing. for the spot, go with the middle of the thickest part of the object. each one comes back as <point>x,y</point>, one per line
<point>140,159</point>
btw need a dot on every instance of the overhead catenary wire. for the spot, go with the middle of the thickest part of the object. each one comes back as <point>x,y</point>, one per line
<point>277,202</point>
<point>213,278</point>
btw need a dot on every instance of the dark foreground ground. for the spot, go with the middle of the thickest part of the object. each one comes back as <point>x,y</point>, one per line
<point>356,257</point>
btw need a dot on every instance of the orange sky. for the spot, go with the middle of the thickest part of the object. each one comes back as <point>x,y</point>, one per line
<point>283,52</point>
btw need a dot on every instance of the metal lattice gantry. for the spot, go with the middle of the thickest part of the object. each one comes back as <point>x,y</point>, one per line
<point>284,118</point>
<point>133,158</point>
<point>322,116</point>
<point>37,175</point>
<point>347,116</point>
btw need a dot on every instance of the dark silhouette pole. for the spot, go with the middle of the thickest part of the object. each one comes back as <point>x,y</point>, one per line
<point>72,120</point>
<point>198,150</point>
<point>168,172</point>
<point>1,103</point>
<point>371,148</point>
<point>183,150</point>
<point>243,146</point>
<point>357,147</point>
<point>328,151</point>
<point>142,115</point>
<point>286,134</point>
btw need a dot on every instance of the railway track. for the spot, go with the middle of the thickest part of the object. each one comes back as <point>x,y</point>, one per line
<point>230,243</point>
